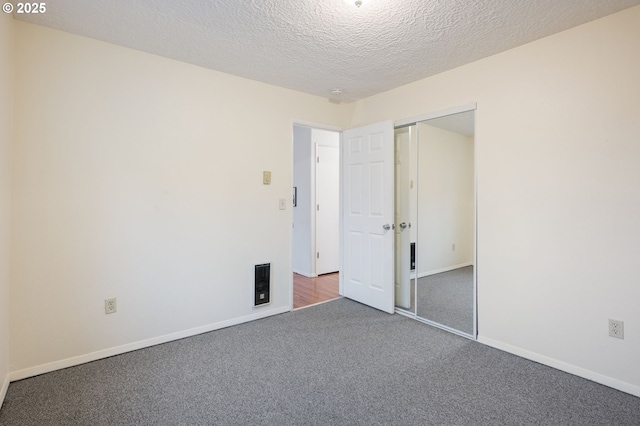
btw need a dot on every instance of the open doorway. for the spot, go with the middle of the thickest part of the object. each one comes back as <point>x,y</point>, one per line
<point>316,215</point>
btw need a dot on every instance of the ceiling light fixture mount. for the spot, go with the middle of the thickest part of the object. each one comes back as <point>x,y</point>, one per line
<point>336,91</point>
<point>358,3</point>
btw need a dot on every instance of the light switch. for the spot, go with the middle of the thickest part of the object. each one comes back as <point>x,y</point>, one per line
<point>266,177</point>
<point>283,204</point>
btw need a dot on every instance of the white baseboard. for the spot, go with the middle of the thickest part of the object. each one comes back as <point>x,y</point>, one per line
<point>118,350</point>
<point>441,270</point>
<point>305,274</point>
<point>568,368</point>
<point>3,389</point>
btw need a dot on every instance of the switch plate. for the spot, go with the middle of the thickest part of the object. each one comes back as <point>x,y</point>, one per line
<point>282,204</point>
<point>266,177</point>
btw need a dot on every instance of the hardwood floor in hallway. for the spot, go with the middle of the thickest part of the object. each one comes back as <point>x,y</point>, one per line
<point>308,291</point>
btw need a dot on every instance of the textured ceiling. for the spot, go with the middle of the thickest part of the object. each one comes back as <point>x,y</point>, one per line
<point>316,45</point>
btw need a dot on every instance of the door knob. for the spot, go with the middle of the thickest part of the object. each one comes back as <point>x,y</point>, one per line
<point>403,226</point>
<point>386,226</point>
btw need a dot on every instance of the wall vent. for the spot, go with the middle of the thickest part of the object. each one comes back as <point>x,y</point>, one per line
<point>413,256</point>
<point>262,280</point>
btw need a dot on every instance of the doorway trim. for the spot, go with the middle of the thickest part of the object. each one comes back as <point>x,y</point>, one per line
<point>318,126</point>
<point>315,125</point>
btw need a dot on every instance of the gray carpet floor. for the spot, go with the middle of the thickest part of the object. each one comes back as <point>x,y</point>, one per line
<point>339,363</point>
<point>447,298</point>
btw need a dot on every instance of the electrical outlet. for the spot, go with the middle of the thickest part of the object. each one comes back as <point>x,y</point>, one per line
<point>110,306</point>
<point>616,328</point>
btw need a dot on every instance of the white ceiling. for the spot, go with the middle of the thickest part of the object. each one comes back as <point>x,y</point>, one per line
<point>316,45</point>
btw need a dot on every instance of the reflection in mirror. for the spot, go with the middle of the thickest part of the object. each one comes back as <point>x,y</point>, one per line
<point>405,216</point>
<point>446,222</point>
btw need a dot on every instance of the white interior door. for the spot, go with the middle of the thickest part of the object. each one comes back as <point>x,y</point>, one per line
<point>327,209</point>
<point>368,208</point>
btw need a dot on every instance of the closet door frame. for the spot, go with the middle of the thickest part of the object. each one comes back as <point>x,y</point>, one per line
<point>429,116</point>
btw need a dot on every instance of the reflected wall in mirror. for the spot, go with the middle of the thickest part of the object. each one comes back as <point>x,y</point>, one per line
<point>446,222</point>
<point>405,216</point>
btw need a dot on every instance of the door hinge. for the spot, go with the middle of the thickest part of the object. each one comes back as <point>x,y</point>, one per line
<point>318,255</point>
<point>317,159</point>
<point>317,207</point>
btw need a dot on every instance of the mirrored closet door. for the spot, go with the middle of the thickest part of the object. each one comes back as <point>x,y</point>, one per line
<point>435,222</point>
<point>406,157</point>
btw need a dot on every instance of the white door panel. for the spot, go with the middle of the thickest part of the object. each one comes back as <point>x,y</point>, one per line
<point>368,185</point>
<point>327,209</point>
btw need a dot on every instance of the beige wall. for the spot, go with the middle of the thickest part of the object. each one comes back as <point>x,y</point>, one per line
<point>6,65</point>
<point>140,178</point>
<point>557,135</point>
